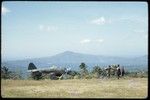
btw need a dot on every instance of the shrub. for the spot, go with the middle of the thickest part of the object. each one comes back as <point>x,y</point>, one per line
<point>77,77</point>
<point>7,74</point>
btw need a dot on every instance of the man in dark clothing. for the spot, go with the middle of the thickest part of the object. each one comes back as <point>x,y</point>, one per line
<point>122,72</point>
<point>109,68</point>
<point>118,72</point>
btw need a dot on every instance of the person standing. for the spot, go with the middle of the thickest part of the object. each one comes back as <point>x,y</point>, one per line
<point>122,72</point>
<point>118,71</point>
<point>109,68</point>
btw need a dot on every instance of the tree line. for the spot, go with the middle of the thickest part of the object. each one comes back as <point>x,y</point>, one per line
<point>97,72</point>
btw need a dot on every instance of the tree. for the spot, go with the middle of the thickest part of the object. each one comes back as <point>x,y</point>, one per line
<point>82,66</point>
<point>84,70</point>
<point>6,74</point>
<point>97,70</point>
<point>104,73</point>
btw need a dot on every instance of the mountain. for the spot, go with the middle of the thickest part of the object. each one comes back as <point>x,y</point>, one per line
<point>73,60</point>
<point>69,57</point>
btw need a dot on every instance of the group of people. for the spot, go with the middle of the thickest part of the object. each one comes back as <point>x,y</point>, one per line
<point>119,71</point>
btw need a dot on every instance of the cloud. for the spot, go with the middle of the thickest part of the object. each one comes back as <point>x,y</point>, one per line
<point>91,41</point>
<point>142,33</point>
<point>85,41</point>
<point>5,10</point>
<point>99,21</point>
<point>51,28</point>
<point>139,31</point>
<point>133,19</point>
<point>47,28</point>
<point>100,40</point>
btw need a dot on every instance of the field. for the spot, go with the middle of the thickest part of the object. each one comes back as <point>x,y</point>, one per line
<point>76,88</point>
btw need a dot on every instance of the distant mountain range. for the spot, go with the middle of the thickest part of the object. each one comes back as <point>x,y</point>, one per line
<point>73,60</point>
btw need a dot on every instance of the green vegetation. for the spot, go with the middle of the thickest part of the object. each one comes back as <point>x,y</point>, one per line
<point>83,70</point>
<point>97,72</point>
<point>7,74</point>
<point>137,74</point>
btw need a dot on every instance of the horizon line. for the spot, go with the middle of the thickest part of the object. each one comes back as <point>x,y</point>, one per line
<point>127,56</point>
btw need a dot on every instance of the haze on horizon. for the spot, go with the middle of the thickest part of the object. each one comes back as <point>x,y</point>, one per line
<point>41,29</point>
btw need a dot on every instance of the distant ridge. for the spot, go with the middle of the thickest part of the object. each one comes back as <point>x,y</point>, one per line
<point>73,59</point>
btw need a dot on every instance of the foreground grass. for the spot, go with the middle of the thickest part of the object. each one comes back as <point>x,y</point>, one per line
<point>76,88</point>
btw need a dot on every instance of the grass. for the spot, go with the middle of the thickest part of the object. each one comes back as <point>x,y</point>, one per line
<point>76,88</point>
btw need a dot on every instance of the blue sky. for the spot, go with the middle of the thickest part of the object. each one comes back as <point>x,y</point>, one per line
<point>39,29</point>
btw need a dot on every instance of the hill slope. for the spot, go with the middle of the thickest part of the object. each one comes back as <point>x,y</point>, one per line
<point>73,60</point>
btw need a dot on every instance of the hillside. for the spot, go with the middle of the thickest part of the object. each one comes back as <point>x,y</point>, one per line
<point>73,60</point>
<point>75,88</point>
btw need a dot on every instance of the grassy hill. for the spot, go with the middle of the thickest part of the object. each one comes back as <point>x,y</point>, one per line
<point>76,88</point>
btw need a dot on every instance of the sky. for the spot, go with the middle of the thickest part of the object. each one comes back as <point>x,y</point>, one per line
<point>41,29</point>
